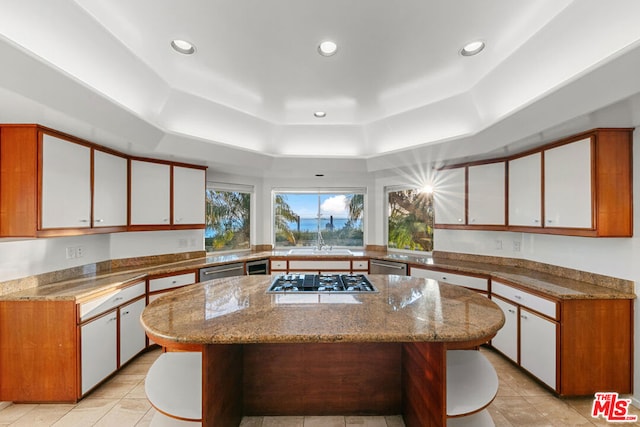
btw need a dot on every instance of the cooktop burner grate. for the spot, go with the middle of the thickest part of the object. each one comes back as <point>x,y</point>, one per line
<point>321,283</point>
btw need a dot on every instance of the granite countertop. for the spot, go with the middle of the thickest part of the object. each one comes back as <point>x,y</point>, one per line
<point>239,310</point>
<point>94,284</point>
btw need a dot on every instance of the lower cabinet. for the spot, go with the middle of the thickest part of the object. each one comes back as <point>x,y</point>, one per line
<point>99,358</point>
<point>506,340</point>
<point>538,346</point>
<point>132,335</point>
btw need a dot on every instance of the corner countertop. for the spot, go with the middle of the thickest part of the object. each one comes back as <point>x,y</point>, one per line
<point>545,282</point>
<point>239,310</point>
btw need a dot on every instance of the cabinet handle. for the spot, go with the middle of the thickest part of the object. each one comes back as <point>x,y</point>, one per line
<point>523,316</point>
<point>518,297</point>
<point>549,221</point>
<point>112,319</point>
<point>512,311</point>
<point>444,277</point>
<point>536,221</point>
<point>459,219</point>
<point>165,220</point>
<point>125,313</point>
<point>83,220</point>
<point>117,299</point>
<point>179,220</point>
<point>98,220</point>
<point>173,282</point>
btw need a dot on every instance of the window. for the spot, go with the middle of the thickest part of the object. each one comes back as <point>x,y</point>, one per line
<point>227,220</point>
<point>318,219</point>
<point>410,220</point>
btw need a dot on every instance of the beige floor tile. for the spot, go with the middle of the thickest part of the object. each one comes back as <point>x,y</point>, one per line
<point>146,420</point>
<point>86,413</point>
<point>117,387</point>
<point>127,412</point>
<point>394,421</point>
<point>337,421</point>
<point>557,412</point>
<point>251,422</point>
<point>365,421</point>
<point>519,412</point>
<point>14,412</point>
<point>43,415</point>
<point>283,422</point>
<point>137,392</point>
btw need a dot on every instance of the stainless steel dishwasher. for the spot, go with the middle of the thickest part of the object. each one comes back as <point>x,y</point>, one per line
<point>387,267</point>
<point>219,271</point>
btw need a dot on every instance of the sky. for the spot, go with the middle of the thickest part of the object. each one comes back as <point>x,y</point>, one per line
<point>306,205</point>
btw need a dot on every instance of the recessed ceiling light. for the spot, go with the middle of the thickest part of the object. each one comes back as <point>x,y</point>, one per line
<point>327,48</point>
<point>472,48</point>
<point>183,46</point>
<point>320,114</point>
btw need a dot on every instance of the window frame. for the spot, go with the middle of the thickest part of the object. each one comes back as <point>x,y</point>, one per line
<point>319,191</point>
<point>395,188</point>
<point>240,188</point>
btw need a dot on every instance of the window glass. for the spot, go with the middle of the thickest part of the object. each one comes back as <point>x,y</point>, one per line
<point>319,219</point>
<point>227,220</point>
<point>410,220</point>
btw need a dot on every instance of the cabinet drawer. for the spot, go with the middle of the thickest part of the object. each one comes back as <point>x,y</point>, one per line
<point>534,302</point>
<point>169,282</point>
<point>361,265</point>
<point>278,265</point>
<point>319,265</point>
<point>472,282</point>
<point>106,302</point>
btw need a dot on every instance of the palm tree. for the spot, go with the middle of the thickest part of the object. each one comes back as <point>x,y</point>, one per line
<point>227,215</point>
<point>411,220</point>
<point>355,204</point>
<point>284,215</point>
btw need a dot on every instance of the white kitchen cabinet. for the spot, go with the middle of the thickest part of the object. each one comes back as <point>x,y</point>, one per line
<point>506,340</point>
<point>188,195</point>
<point>538,346</point>
<point>132,335</point>
<point>110,192</point>
<point>486,193</point>
<point>150,193</point>
<point>449,196</point>
<point>567,185</point>
<point>66,184</point>
<point>98,349</point>
<point>525,191</point>
<point>472,282</point>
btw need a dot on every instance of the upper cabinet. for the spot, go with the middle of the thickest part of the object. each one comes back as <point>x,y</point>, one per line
<point>486,194</point>
<point>580,186</point>
<point>53,184</point>
<point>150,193</point>
<point>525,191</point>
<point>449,200</point>
<point>188,196</point>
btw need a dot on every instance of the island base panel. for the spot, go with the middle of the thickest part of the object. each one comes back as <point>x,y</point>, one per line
<point>323,379</point>
<point>424,384</point>
<point>222,385</point>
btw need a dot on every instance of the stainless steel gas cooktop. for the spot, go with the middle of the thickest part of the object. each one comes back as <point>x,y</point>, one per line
<point>321,283</point>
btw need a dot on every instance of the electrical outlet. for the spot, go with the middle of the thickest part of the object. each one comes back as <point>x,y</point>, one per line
<point>516,246</point>
<point>71,252</point>
<point>79,251</point>
<point>498,244</point>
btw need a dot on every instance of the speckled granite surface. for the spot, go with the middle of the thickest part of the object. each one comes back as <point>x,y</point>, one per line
<point>238,310</point>
<point>92,280</point>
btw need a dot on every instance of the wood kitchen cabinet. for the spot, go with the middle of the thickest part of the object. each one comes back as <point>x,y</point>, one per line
<point>188,196</point>
<point>575,346</point>
<point>47,184</point>
<point>64,348</point>
<point>110,191</point>
<point>578,186</point>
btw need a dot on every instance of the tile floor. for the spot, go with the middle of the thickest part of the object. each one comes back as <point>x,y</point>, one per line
<point>121,402</point>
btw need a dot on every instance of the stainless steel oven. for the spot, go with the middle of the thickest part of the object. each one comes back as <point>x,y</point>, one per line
<point>260,266</point>
<point>228,270</point>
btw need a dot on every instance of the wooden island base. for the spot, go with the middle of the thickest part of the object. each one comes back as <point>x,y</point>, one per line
<point>325,379</point>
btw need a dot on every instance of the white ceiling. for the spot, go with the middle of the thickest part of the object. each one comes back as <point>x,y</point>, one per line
<point>396,89</point>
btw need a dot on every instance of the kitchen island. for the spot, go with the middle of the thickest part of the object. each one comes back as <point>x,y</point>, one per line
<point>334,353</point>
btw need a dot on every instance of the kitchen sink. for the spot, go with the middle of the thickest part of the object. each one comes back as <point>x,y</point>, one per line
<point>314,251</point>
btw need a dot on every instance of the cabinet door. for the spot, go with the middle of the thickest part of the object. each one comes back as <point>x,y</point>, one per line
<point>506,340</point>
<point>567,185</point>
<point>109,190</point>
<point>486,194</point>
<point>98,349</point>
<point>538,346</point>
<point>66,184</point>
<point>188,195</point>
<point>449,196</point>
<point>150,188</point>
<point>525,191</point>
<point>132,336</point>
